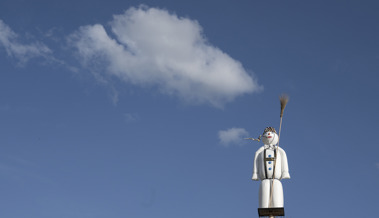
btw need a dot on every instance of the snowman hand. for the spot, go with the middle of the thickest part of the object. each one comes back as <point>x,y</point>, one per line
<point>255,177</point>
<point>286,175</point>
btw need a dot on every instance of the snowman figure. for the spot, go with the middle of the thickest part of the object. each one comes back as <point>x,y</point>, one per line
<point>270,166</point>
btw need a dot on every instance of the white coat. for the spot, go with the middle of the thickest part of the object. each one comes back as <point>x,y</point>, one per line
<point>270,181</point>
<point>281,166</point>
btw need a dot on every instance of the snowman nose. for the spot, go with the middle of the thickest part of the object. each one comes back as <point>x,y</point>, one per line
<point>269,135</point>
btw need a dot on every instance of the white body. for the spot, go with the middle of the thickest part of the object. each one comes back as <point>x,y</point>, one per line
<point>270,181</point>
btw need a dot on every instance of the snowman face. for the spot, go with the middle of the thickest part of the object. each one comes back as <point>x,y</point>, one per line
<point>270,138</point>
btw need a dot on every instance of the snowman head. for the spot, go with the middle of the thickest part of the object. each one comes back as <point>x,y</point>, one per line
<point>269,136</point>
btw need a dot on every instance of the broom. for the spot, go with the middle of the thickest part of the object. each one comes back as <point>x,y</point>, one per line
<point>283,102</point>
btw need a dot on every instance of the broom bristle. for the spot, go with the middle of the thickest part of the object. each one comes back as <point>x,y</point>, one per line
<point>283,102</point>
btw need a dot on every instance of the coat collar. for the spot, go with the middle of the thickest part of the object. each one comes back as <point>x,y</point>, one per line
<point>270,146</point>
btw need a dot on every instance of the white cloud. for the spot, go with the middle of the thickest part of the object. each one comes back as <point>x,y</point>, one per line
<point>155,48</point>
<point>21,51</point>
<point>129,117</point>
<point>232,136</point>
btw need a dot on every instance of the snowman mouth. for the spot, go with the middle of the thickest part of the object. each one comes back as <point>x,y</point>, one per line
<point>269,137</point>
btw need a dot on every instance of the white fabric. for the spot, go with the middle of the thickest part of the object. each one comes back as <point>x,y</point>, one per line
<point>264,194</point>
<point>281,172</point>
<point>281,167</point>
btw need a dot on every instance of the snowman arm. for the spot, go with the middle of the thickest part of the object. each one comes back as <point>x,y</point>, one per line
<point>255,167</point>
<point>285,171</point>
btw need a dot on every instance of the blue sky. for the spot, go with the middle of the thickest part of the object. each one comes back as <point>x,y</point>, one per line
<point>118,108</point>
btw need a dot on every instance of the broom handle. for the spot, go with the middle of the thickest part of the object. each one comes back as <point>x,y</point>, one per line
<point>273,175</point>
<point>280,128</point>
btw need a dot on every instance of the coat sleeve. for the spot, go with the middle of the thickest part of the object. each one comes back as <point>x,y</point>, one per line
<point>285,171</point>
<point>256,164</point>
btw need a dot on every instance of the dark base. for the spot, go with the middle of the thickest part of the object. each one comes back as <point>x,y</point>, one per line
<point>273,211</point>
